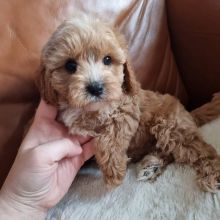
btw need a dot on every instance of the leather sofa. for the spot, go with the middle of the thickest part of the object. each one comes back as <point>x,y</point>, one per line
<point>174,48</point>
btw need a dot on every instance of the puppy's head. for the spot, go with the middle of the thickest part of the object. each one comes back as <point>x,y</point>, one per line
<point>84,64</point>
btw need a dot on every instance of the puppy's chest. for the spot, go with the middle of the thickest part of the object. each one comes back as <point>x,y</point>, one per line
<point>86,123</point>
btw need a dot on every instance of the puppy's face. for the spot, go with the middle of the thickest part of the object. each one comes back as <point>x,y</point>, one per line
<point>84,64</point>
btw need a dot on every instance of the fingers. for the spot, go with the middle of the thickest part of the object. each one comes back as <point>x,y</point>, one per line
<point>43,132</point>
<point>46,111</point>
<point>82,139</point>
<point>88,150</point>
<point>57,150</point>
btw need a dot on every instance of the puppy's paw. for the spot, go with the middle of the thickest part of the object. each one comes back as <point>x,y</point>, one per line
<point>149,168</point>
<point>113,178</point>
<point>209,175</point>
<point>112,183</point>
<point>149,173</point>
<point>209,184</point>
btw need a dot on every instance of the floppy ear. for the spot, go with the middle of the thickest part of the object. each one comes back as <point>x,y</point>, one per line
<point>44,85</point>
<point>130,84</point>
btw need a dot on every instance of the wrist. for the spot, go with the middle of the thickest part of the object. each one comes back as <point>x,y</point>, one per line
<point>11,208</point>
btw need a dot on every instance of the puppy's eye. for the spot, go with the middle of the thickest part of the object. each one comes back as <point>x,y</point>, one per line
<point>71,66</point>
<point>107,60</point>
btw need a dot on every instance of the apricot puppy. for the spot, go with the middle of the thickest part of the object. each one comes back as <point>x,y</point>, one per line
<point>85,72</point>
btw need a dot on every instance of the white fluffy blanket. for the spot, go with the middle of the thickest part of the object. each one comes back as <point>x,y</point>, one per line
<point>174,196</point>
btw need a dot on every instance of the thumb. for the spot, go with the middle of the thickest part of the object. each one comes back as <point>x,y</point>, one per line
<point>55,151</point>
<point>45,110</point>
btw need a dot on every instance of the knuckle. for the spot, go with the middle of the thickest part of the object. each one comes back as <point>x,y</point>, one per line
<point>68,142</point>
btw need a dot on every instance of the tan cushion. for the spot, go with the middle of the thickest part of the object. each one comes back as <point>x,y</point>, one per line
<point>195,31</point>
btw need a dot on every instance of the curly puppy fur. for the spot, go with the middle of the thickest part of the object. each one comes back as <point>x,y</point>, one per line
<point>127,123</point>
<point>207,112</point>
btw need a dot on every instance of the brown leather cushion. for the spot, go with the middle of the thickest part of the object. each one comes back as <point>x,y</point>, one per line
<point>26,25</point>
<point>195,36</point>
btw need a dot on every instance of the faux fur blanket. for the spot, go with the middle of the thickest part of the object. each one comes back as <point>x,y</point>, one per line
<point>174,196</point>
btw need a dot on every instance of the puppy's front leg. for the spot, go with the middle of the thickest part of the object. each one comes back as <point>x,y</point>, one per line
<point>111,150</point>
<point>111,157</point>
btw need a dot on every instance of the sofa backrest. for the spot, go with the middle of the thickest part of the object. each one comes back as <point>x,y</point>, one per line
<point>195,38</point>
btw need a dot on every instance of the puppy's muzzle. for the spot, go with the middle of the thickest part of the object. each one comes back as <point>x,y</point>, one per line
<point>95,89</point>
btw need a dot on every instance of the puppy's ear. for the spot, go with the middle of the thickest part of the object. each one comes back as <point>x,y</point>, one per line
<point>130,84</point>
<point>44,85</point>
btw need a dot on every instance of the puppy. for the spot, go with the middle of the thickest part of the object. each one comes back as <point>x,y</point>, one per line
<point>85,72</point>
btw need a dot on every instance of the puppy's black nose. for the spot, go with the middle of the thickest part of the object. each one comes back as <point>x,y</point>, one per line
<point>95,89</point>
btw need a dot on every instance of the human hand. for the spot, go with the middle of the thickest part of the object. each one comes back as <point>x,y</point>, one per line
<point>45,166</point>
